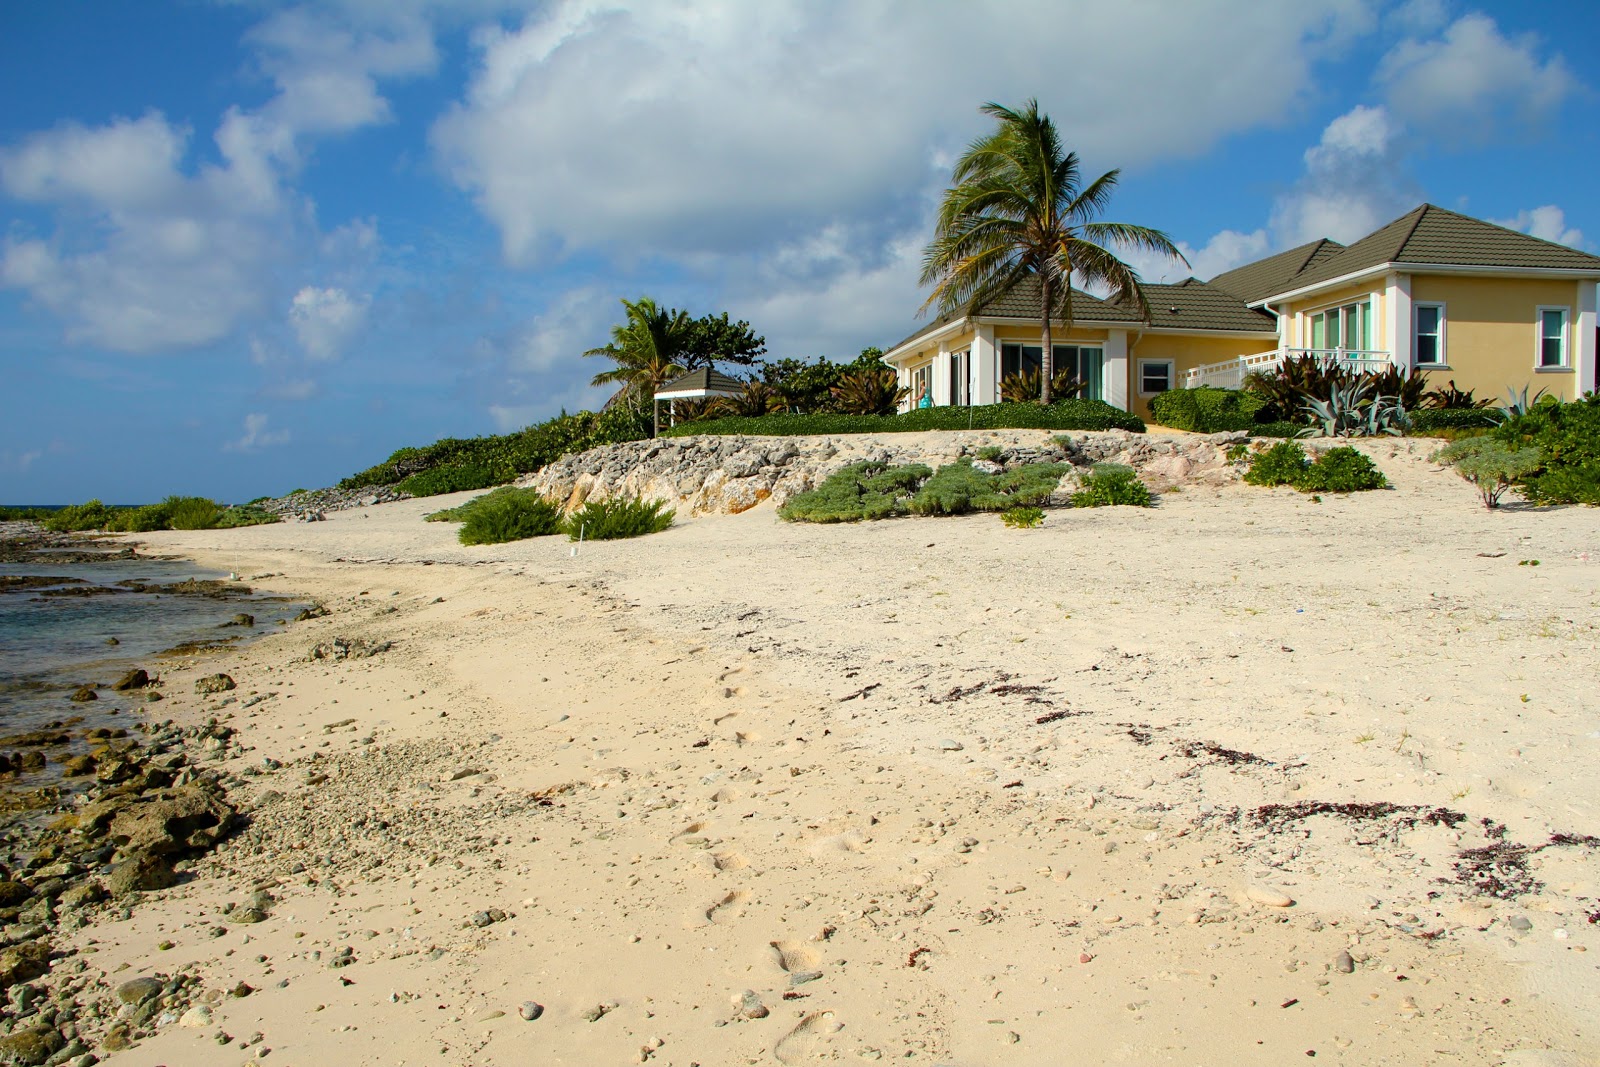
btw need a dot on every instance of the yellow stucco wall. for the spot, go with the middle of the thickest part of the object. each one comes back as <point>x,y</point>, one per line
<point>1186,353</point>
<point>1302,310</point>
<point>1491,338</point>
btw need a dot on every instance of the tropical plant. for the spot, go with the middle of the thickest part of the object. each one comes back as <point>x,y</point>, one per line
<point>616,518</point>
<point>1017,207</point>
<point>92,515</point>
<point>1406,388</point>
<point>1207,409</point>
<point>1016,388</point>
<point>1519,403</point>
<point>1350,412</point>
<point>514,515</point>
<point>1492,466</point>
<point>959,488</point>
<point>1074,414</point>
<point>867,490</point>
<point>1022,518</point>
<point>712,339</point>
<point>1337,470</point>
<point>1282,464</point>
<point>868,392</point>
<point>1449,398</point>
<point>752,401</point>
<point>1111,484</point>
<point>192,512</point>
<point>648,349</point>
<point>1568,439</point>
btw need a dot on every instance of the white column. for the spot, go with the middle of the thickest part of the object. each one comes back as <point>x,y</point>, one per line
<point>941,375</point>
<point>985,367</point>
<point>1584,346</point>
<point>1114,374</point>
<point>1397,322</point>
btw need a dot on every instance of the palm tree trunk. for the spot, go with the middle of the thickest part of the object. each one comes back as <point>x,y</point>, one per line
<point>1047,353</point>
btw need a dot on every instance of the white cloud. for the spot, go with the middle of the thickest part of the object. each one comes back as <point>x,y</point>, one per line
<point>1224,251</point>
<point>1352,182</point>
<point>152,251</point>
<point>1548,223</point>
<point>256,435</point>
<point>1472,80</point>
<point>682,127</point>
<point>325,320</point>
<point>19,461</point>
<point>293,389</point>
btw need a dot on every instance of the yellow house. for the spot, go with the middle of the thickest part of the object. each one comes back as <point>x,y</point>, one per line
<point>1434,292</point>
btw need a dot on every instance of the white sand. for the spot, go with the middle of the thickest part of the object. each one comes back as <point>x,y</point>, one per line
<point>681,797</point>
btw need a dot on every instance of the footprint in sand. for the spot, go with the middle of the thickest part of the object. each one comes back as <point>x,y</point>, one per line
<point>720,719</point>
<point>725,795</point>
<point>729,861</point>
<point>745,737</point>
<point>837,844</point>
<point>693,834</point>
<point>723,909</point>
<point>794,956</point>
<point>805,1041</point>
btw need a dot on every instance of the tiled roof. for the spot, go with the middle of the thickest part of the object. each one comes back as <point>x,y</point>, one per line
<point>1267,276</point>
<point>1433,235</point>
<point>703,380</point>
<point>1196,305</point>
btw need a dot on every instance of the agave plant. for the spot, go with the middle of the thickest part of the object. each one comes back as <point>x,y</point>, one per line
<point>1518,403</point>
<point>753,401</point>
<point>868,392</point>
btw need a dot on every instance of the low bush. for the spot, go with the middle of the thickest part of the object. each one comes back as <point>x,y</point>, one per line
<point>1071,414</point>
<point>1109,484</point>
<point>191,512</point>
<point>959,489</point>
<point>1429,421</point>
<point>1491,465</point>
<point>1022,518</point>
<point>451,479</point>
<point>611,520</point>
<point>516,515</point>
<point>1337,470</point>
<point>1207,409</point>
<point>1277,428</point>
<point>92,515</point>
<point>145,519</point>
<point>867,490</point>
<point>245,515</point>
<point>1568,439</point>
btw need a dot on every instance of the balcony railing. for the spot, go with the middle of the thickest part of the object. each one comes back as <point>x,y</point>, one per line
<point>1231,373</point>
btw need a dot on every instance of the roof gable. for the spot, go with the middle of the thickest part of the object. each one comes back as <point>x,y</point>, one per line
<point>1432,235</point>
<point>1267,276</point>
<point>1197,305</point>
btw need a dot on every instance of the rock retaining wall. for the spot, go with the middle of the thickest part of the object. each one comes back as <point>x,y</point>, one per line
<point>730,474</point>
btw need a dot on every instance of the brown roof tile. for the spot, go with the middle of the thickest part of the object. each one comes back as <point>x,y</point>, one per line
<point>1267,276</point>
<point>1197,305</point>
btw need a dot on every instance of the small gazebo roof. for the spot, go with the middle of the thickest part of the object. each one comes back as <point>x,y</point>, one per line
<point>698,384</point>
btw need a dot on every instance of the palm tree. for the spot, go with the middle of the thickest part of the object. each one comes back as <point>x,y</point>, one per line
<point>1016,207</point>
<point>646,349</point>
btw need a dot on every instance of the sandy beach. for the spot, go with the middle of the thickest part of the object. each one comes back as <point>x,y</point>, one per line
<point>1244,778</point>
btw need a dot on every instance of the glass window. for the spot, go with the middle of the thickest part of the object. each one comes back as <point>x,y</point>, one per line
<point>1348,327</point>
<point>1429,345</point>
<point>1552,337</point>
<point>1084,362</point>
<point>1155,376</point>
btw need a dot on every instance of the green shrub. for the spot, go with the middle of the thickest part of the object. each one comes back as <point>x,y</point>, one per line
<point>992,453</point>
<point>1568,439</point>
<point>1282,464</point>
<point>611,520</point>
<point>1109,484</point>
<point>92,515</point>
<point>867,490</point>
<point>1278,428</point>
<point>191,512</point>
<point>1489,464</point>
<point>144,519</point>
<point>1071,414</point>
<point>1207,409</point>
<point>1338,470</point>
<point>451,479</point>
<point>245,515</point>
<point>958,489</point>
<point>1022,518</point>
<point>496,518</point>
<point>1428,421</point>
<point>1341,470</point>
<point>460,512</point>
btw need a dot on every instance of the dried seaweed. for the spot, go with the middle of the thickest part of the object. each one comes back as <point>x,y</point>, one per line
<point>1278,817</point>
<point>1193,749</point>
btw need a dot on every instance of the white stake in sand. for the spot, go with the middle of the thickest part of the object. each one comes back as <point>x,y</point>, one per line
<point>580,539</point>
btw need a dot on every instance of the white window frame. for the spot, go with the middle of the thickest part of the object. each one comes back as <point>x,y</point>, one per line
<point>921,381</point>
<point>1443,362</point>
<point>1310,314</point>
<point>1171,375</point>
<point>1566,338</point>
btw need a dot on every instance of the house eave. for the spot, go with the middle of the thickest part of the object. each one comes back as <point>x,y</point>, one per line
<point>1399,267</point>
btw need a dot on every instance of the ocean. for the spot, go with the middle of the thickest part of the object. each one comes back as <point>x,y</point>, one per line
<point>57,632</point>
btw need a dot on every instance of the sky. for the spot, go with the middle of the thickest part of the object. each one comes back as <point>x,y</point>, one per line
<point>248,247</point>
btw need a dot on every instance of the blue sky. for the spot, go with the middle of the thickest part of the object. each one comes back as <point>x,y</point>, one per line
<point>249,247</point>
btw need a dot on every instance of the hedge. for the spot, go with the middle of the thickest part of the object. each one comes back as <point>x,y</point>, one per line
<point>1426,420</point>
<point>1070,414</point>
<point>1207,409</point>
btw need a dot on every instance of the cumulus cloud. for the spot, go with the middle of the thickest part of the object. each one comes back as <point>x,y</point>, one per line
<point>256,435</point>
<point>325,320</point>
<point>153,249</point>
<point>683,127</point>
<point>20,461</point>
<point>1353,182</point>
<point>1224,251</point>
<point>1472,81</point>
<point>1548,223</point>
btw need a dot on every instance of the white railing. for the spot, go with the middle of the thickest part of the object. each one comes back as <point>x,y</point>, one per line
<point>1231,373</point>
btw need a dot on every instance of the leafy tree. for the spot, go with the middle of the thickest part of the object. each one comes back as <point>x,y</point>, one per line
<point>712,339</point>
<point>649,350</point>
<point>1017,207</point>
<point>753,401</point>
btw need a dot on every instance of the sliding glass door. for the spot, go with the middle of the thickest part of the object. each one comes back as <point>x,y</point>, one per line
<point>1083,361</point>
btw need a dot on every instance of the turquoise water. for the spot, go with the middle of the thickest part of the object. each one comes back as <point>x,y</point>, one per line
<point>50,645</point>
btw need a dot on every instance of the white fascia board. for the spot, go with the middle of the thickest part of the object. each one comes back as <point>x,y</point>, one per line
<point>924,338</point>
<point>1088,324</point>
<point>1429,268</point>
<point>694,394</point>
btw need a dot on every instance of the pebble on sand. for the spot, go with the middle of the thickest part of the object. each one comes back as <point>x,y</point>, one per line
<point>1268,896</point>
<point>530,1010</point>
